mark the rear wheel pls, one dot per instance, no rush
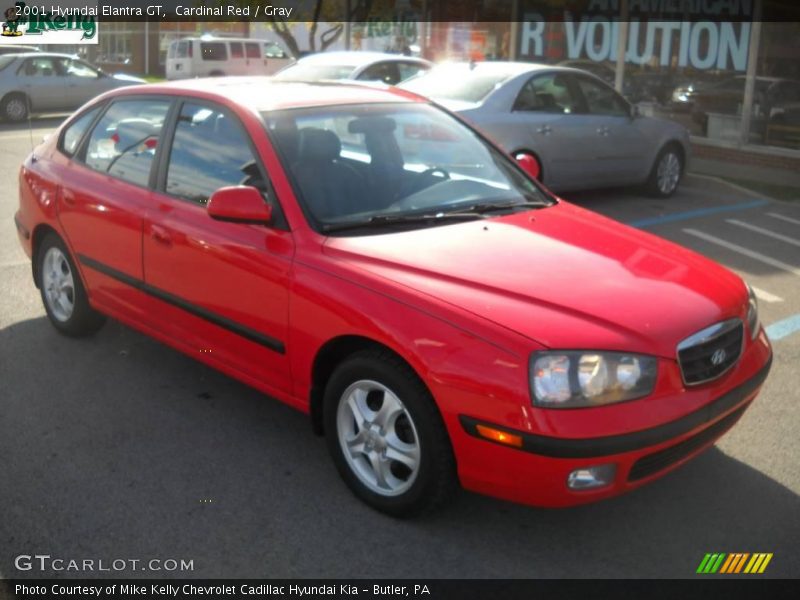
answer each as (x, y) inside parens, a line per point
(386, 436)
(62, 292)
(15, 108)
(666, 173)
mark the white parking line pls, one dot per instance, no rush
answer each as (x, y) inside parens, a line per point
(783, 218)
(766, 296)
(745, 251)
(762, 231)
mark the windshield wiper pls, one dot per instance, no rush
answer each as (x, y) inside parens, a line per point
(383, 220)
(487, 207)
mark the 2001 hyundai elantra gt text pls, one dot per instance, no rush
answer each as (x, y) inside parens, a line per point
(365, 257)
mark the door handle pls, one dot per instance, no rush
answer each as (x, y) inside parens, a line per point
(160, 235)
(544, 129)
(68, 197)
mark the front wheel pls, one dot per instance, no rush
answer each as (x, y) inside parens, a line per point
(666, 173)
(386, 436)
(62, 292)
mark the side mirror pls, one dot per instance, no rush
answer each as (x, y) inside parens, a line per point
(239, 204)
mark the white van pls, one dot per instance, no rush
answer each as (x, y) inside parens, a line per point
(215, 56)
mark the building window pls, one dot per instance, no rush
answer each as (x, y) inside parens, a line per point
(116, 43)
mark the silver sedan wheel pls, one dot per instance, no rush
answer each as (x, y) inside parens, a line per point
(668, 172)
(59, 285)
(16, 109)
(378, 438)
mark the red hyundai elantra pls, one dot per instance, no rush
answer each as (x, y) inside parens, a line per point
(367, 258)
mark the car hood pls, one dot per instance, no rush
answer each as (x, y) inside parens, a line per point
(127, 78)
(562, 276)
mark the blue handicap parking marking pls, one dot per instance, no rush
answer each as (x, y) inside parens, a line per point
(783, 328)
(693, 214)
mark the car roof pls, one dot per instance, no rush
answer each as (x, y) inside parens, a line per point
(41, 55)
(500, 67)
(263, 93)
(354, 58)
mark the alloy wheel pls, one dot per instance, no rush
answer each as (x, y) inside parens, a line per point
(58, 284)
(378, 438)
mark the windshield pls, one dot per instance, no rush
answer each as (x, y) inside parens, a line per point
(6, 60)
(311, 72)
(358, 163)
(455, 84)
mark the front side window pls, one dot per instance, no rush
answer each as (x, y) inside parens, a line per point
(123, 143)
(549, 93)
(601, 99)
(74, 132)
(273, 51)
(210, 151)
(351, 164)
(77, 68)
(213, 51)
(408, 70)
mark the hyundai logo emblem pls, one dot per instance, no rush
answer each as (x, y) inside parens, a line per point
(718, 357)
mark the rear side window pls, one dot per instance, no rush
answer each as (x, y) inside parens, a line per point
(548, 93)
(123, 143)
(213, 51)
(252, 50)
(74, 132)
(210, 151)
(386, 72)
(236, 50)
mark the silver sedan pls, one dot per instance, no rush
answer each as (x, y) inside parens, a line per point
(363, 66)
(46, 82)
(566, 126)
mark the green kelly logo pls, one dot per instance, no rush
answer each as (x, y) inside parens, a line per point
(37, 21)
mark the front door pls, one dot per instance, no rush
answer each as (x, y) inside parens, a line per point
(42, 79)
(222, 287)
(620, 146)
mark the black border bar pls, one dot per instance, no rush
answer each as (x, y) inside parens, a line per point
(616, 444)
(218, 320)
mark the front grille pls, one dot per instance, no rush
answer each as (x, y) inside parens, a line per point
(653, 463)
(709, 353)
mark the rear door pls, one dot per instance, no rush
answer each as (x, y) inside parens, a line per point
(221, 287)
(83, 81)
(103, 197)
(42, 79)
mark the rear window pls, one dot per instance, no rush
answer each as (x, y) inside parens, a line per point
(456, 84)
(123, 143)
(213, 51)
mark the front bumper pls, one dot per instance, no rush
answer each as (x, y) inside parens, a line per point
(537, 472)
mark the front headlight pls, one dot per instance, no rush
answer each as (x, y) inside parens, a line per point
(575, 379)
(753, 323)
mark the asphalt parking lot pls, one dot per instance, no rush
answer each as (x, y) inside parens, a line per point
(117, 447)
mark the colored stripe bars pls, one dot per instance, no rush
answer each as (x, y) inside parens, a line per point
(741, 562)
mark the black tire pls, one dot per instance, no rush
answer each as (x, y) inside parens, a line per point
(82, 319)
(15, 107)
(656, 186)
(433, 482)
